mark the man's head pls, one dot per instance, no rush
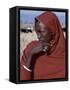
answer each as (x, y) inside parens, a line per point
(43, 33)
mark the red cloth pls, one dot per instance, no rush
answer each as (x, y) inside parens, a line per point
(47, 66)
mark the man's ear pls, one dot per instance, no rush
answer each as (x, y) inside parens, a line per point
(52, 33)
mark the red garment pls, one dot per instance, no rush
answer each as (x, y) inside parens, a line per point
(46, 66)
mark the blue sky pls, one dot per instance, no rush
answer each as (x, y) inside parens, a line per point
(28, 16)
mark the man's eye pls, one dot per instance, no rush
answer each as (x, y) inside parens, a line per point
(39, 31)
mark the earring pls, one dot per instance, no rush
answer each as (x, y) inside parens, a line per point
(51, 43)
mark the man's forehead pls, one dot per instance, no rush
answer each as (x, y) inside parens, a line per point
(41, 24)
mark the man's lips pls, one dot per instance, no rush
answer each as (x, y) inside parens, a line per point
(42, 40)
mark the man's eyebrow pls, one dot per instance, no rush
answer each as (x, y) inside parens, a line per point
(40, 31)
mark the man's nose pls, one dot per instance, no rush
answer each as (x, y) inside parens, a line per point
(39, 36)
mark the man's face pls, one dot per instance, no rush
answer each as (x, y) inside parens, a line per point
(43, 33)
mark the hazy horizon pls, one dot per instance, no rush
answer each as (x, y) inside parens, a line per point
(28, 16)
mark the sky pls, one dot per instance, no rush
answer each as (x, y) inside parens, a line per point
(28, 16)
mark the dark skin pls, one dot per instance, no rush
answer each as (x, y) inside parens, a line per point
(44, 36)
(43, 33)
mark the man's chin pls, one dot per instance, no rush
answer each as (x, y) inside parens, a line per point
(42, 41)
